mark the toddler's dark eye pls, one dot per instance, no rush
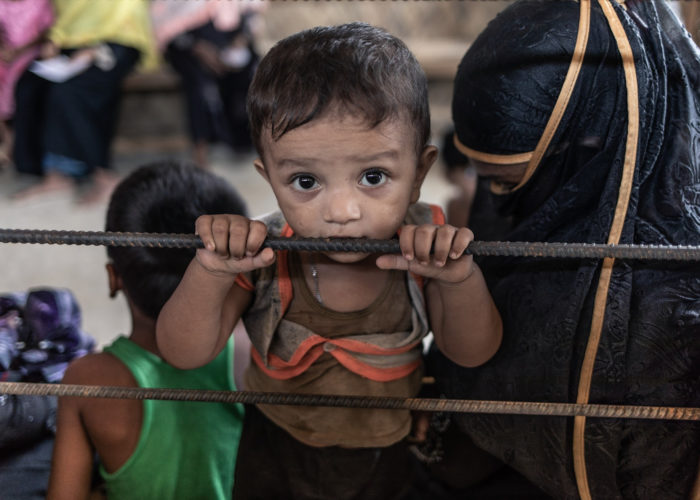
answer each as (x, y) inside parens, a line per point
(373, 178)
(304, 182)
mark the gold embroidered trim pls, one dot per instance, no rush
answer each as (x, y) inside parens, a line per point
(567, 89)
(618, 222)
(534, 157)
(491, 158)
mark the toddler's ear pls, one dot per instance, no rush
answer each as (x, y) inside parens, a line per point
(260, 167)
(425, 161)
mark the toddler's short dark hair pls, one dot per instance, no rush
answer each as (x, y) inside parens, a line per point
(361, 68)
(162, 197)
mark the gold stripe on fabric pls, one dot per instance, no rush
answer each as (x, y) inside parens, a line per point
(491, 158)
(564, 95)
(534, 157)
(601, 297)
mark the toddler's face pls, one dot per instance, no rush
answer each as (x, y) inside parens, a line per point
(335, 177)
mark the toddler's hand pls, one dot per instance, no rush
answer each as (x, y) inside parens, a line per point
(232, 244)
(446, 263)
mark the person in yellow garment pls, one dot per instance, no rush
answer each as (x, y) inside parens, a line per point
(152, 449)
(211, 45)
(67, 101)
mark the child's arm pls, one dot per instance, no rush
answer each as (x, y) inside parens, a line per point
(72, 461)
(465, 322)
(197, 320)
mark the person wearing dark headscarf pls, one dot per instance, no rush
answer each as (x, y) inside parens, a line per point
(586, 115)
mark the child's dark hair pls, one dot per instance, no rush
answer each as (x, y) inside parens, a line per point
(451, 156)
(361, 68)
(162, 197)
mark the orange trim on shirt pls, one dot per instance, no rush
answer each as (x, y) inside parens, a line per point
(243, 281)
(312, 348)
(301, 351)
(286, 373)
(367, 348)
(438, 214)
(372, 372)
(287, 231)
(350, 345)
(343, 357)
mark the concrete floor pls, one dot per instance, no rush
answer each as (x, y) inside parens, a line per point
(81, 268)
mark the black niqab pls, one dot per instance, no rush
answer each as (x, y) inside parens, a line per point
(649, 353)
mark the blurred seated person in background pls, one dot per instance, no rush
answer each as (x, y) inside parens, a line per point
(67, 107)
(23, 28)
(210, 44)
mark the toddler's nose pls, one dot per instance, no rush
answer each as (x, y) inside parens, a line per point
(341, 208)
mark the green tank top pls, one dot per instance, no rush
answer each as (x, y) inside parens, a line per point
(187, 450)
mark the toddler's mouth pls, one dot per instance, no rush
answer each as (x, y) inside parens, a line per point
(341, 237)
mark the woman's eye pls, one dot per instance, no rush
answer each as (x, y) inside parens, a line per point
(304, 182)
(373, 178)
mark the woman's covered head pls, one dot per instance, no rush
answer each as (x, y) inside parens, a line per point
(579, 90)
(508, 81)
(532, 92)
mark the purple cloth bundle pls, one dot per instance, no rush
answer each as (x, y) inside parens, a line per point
(10, 321)
(40, 332)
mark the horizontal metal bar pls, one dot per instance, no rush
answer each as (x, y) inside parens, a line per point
(483, 248)
(384, 403)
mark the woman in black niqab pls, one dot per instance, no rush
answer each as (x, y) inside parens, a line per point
(602, 102)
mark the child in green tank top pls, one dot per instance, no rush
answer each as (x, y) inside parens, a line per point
(152, 449)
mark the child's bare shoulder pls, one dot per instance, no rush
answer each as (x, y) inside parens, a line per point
(98, 369)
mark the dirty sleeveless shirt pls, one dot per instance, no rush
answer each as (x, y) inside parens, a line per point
(300, 346)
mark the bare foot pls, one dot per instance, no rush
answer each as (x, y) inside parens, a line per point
(6, 138)
(103, 183)
(4, 161)
(51, 183)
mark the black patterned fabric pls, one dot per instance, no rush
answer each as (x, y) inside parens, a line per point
(649, 354)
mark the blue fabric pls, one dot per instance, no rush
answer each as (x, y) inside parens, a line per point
(67, 166)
